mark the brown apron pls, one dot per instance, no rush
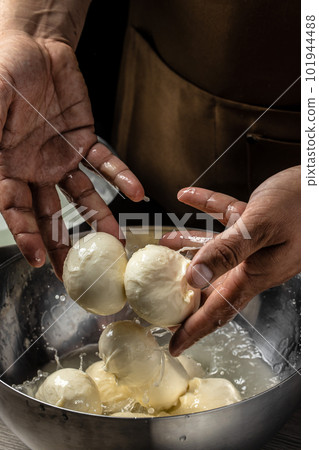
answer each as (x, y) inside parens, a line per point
(196, 81)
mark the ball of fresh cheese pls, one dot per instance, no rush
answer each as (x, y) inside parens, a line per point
(114, 397)
(131, 353)
(156, 286)
(163, 393)
(205, 394)
(71, 389)
(93, 273)
(192, 367)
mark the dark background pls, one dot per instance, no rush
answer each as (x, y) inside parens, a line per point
(99, 55)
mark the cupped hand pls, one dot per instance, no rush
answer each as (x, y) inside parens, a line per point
(46, 130)
(259, 249)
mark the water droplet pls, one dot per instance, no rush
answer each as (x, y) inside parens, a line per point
(62, 298)
(56, 357)
(81, 356)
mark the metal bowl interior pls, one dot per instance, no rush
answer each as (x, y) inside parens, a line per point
(34, 319)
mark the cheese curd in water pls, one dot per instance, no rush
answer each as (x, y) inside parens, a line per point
(133, 356)
(156, 286)
(164, 393)
(114, 397)
(93, 273)
(71, 389)
(131, 353)
(206, 393)
(192, 367)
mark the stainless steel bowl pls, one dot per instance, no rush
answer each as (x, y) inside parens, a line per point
(33, 318)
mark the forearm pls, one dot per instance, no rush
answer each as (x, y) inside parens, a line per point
(62, 20)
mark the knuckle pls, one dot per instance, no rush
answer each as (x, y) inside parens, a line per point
(208, 201)
(101, 215)
(225, 316)
(84, 194)
(231, 207)
(226, 256)
(209, 312)
(120, 174)
(219, 317)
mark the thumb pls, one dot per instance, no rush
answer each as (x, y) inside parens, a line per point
(223, 253)
(224, 302)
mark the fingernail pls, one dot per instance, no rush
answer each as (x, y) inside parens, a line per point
(182, 192)
(39, 257)
(201, 275)
(175, 350)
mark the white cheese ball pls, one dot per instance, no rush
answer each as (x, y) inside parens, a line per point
(192, 367)
(165, 392)
(71, 389)
(114, 397)
(93, 273)
(205, 394)
(131, 353)
(156, 286)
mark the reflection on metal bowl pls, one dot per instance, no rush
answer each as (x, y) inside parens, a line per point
(33, 318)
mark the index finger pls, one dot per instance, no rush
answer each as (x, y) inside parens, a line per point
(212, 202)
(188, 238)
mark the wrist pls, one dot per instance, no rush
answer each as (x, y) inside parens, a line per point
(63, 20)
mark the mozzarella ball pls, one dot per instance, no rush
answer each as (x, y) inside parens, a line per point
(93, 273)
(192, 367)
(71, 389)
(156, 286)
(131, 353)
(205, 394)
(165, 392)
(114, 397)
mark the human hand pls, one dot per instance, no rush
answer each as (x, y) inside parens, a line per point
(46, 129)
(236, 269)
